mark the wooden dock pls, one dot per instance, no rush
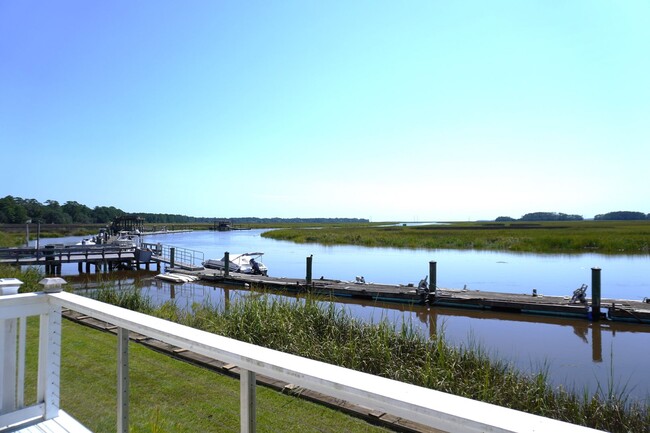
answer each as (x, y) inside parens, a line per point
(612, 309)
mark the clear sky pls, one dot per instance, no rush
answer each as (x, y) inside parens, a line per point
(388, 110)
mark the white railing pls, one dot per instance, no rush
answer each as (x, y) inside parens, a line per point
(425, 406)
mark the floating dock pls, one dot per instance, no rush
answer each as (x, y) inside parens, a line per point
(612, 309)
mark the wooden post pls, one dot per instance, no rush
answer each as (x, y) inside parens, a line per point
(172, 253)
(226, 264)
(309, 263)
(595, 294)
(433, 283)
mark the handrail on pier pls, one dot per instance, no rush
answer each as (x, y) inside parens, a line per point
(421, 405)
(176, 256)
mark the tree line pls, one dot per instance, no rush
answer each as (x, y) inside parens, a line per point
(16, 210)
(558, 216)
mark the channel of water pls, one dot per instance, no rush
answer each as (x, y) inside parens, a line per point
(576, 354)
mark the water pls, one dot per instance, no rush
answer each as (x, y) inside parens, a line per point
(576, 353)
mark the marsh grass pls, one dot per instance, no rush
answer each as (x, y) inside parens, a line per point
(609, 237)
(321, 330)
(30, 277)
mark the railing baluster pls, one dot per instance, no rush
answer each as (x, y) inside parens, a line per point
(8, 365)
(247, 406)
(22, 338)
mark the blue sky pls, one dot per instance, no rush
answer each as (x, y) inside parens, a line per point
(409, 110)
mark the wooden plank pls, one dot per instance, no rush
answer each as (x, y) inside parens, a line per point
(63, 423)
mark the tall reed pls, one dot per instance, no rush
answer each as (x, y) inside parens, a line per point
(323, 331)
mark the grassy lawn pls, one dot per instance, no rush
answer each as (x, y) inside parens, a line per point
(168, 395)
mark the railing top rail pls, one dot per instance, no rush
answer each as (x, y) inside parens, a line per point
(422, 405)
(23, 305)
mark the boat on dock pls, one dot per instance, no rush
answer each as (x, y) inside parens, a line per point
(245, 263)
(177, 278)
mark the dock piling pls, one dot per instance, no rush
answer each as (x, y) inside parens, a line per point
(309, 263)
(226, 264)
(595, 293)
(433, 283)
(172, 253)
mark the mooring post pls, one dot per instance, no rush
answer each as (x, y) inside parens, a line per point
(308, 276)
(433, 283)
(172, 253)
(226, 264)
(595, 293)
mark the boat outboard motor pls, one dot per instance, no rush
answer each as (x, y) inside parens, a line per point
(256, 267)
(423, 286)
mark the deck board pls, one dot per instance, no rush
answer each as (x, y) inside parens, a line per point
(64, 423)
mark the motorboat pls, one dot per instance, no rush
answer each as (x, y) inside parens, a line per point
(245, 263)
(124, 239)
(177, 278)
(88, 241)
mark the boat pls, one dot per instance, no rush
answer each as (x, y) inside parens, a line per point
(124, 239)
(245, 263)
(87, 241)
(177, 278)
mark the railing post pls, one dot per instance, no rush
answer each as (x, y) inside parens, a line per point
(8, 367)
(247, 407)
(49, 362)
(122, 380)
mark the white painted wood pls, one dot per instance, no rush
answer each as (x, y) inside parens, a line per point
(422, 405)
(22, 341)
(63, 423)
(247, 404)
(49, 355)
(28, 304)
(122, 380)
(21, 415)
(45, 416)
(8, 366)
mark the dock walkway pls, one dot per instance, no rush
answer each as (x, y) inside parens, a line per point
(614, 309)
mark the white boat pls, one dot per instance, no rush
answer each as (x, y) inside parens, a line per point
(177, 278)
(87, 241)
(124, 239)
(246, 263)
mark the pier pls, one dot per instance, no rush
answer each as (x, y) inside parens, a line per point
(107, 257)
(593, 308)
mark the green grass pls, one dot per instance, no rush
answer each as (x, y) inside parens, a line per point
(608, 237)
(168, 395)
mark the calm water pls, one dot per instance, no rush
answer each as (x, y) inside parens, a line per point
(576, 353)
